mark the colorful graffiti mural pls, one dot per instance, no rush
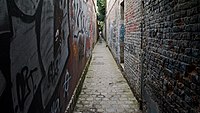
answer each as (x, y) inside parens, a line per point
(84, 26)
(36, 62)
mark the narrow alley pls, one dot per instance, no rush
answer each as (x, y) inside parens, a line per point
(51, 59)
(105, 90)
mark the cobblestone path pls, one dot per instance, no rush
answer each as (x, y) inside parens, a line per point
(104, 89)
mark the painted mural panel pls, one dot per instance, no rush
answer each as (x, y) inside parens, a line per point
(41, 63)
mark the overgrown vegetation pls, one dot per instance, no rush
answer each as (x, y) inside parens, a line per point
(101, 4)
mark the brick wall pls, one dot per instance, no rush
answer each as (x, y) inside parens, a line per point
(171, 56)
(44, 46)
(132, 54)
(161, 53)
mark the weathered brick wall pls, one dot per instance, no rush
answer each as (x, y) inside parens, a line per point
(44, 46)
(132, 51)
(171, 56)
(162, 43)
(162, 49)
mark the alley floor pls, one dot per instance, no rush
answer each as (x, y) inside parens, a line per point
(104, 89)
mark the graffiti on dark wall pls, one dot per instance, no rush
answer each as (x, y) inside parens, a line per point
(58, 37)
(38, 51)
(43, 52)
(55, 107)
(66, 84)
(25, 86)
(58, 19)
(50, 63)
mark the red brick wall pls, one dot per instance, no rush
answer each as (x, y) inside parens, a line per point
(132, 64)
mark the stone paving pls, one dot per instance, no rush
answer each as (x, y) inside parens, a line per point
(104, 89)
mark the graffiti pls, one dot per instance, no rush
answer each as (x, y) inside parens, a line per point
(3, 83)
(55, 108)
(52, 73)
(122, 32)
(50, 81)
(66, 84)
(38, 37)
(25, 86)
(84, 27)
(25, 53)
(58, 37)
(60, 50)
(80, 18)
